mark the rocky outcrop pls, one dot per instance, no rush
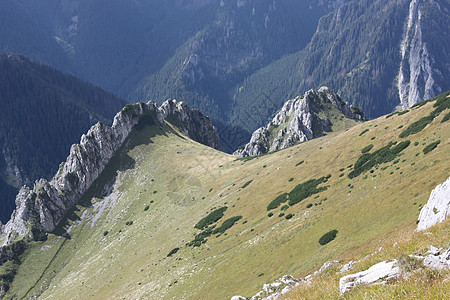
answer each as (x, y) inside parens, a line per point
(299, 120)
(423, 67)
(383, 271)
(437, 208)
(274, 290)
(191, 122)
(386, 271)
(39, 210)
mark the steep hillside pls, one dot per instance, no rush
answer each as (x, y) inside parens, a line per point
(301, 119)
(377, 55)
(171, 218)
(43, 112)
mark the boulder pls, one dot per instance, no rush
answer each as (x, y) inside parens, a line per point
(437, 208)
(384, 271)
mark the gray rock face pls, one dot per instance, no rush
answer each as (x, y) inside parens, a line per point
(384, 271)
(41, 209)
(437, 208)
(297, 121)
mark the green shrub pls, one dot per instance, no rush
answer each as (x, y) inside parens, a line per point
(309, 205)
(289, 216)
(277, 201)
(246, 184)
(228, 223)
(281, 214)
(364, 131)
(105, 233)
(173, 251)
(299, 163)
(211, 218)
(129, 223)
(146, 208)
(446, 118)
(369, 160)
(291, 179)
(367, 148)
(431, 147)
(270, 214)
(416, 127)
(306, 189)
(284, 207)
(200, 238)
(328, 237)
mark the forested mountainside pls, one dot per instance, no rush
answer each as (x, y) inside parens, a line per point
(378, 55)
(43, 112)
(239, 60)
(196, 51)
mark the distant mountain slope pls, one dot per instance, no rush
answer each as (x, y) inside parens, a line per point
(43, 112)
(378, 55)
(196, 51)
(301, 119)
(169, 218)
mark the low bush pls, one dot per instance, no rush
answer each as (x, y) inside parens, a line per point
(284, 207)
(289, 216)
(228, 223)
(277, 201)
(211, 218)
(146, 208)
(246, 184)
(299, 163)
(446, 118)
(328, 237)
(173, 251)
(306, 189)
(431, 147)
(367, 148)
(364, 131)
(369, 160)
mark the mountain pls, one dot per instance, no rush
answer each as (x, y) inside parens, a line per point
(43, 113)
(379, 55)
(303, 118)
(40, 210)
(171, 218)
(197, 51)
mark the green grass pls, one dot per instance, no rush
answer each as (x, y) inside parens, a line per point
(132, 260)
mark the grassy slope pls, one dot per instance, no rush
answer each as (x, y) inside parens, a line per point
(131, 259)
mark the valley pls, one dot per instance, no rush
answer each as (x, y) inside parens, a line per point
(160, 184)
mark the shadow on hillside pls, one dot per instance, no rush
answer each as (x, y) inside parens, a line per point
(103, 186)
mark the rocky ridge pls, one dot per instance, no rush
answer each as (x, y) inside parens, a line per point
(39, 210)
(299, 120)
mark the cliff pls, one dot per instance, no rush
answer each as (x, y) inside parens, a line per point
(300, 119)
(39, 210)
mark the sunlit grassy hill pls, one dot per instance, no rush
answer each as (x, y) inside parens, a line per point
(161, 184)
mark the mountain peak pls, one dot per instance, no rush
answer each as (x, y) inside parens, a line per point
(301, 119)
(39, 210)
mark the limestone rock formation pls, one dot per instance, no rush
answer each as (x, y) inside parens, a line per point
(437, 208)
(299, 120)
(39, 210)
(384, 271)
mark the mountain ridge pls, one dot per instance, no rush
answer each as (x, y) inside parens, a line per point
(301, 119)
(39, 210)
